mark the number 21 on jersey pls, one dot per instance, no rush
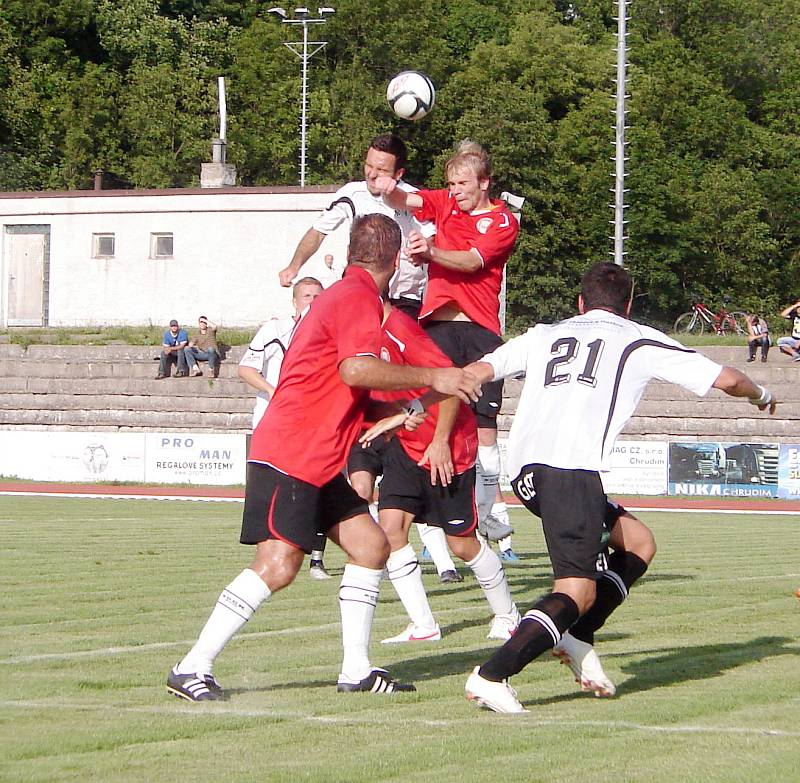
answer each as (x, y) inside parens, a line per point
(566, 350)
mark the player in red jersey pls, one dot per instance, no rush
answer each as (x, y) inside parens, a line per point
(475, 235)
(295, 484)
(429, 475)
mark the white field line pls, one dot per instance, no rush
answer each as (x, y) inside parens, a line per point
(641, 509)
(200, 499)
(103, 652)
(215, 711)
(186, 643)
(122, 497)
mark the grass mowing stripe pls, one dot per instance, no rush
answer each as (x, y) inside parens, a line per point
(213, 711)
(703, 653)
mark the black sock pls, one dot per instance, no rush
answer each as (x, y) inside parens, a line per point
(624, 568)
(540, 629)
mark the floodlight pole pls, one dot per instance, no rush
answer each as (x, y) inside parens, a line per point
(305, 50)
(619, 206)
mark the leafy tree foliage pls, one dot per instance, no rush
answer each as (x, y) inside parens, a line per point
(129, 87)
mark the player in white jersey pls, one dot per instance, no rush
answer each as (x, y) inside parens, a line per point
(386, 157)
(584, 378)
(260, 367)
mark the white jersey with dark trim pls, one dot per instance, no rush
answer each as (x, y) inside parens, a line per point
(354, 200)
(265, 354)
(584, 378)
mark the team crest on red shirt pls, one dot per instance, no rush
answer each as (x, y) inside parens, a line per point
(483, 224)
(385, 355)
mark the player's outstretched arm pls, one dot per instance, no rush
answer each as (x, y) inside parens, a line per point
(306, 248)
(483, 371)
(736, 384)
(396, 198)
(369, 372)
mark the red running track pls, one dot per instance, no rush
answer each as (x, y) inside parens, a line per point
(237, 493)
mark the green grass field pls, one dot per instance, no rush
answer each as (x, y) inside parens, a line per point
(101, 597)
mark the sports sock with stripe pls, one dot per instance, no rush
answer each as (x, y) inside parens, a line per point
(539, 630)
(358, 594)
(488, 570)
(434, 539)
(624, 568)
(235, 606)
(406, 578)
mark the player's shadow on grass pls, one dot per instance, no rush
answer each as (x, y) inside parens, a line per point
(688, 664)
(433, 667)
(701, 662)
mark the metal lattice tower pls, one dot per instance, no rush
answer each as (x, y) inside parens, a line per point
(305, 50)
(620, 158)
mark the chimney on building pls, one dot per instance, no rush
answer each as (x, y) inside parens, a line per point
(218, 173)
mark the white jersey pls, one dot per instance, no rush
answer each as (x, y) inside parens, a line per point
(584, 378)
(265, 354)
(353, 200)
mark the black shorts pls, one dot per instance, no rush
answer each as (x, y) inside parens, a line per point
(369, 459)
(613, 510)
(573, 508)
(294, 511)
(407, 487)
(464, 342)
(407, 305)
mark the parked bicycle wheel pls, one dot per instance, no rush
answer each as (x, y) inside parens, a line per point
(740, 321)
(689, 323)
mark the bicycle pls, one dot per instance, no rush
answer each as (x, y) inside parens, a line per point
(700, 318)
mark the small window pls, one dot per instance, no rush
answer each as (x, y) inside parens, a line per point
(160, 245)
(102, 245)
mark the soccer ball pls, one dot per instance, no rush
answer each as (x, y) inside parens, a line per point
(411, 95)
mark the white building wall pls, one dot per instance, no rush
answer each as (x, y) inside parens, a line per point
(229, 246)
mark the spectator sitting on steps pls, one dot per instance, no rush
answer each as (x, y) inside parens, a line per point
(757, 335)
(175, 340)
(790, 345)
(203, 348)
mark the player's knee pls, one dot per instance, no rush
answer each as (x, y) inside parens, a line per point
(642, 543)
(464, 547)
(363, 484)
(278, 573)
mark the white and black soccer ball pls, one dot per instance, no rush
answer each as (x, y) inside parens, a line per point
(411, 95)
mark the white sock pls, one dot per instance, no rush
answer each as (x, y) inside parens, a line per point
(316, 555)
(483, 499)
(434, 539)
(504, 544)
(358, 594)
(491, 577)
(500, 510)
(235, 606)
(406, 578)
(487, 477)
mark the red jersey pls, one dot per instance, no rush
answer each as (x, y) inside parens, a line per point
(493, 234)
(405, 342)
(314, 417)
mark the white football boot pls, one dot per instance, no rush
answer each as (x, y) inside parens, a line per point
(585, 665)
(504, 625)
(415, 633)
(497, 696)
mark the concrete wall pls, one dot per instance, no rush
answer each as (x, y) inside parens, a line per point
(229, 245)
